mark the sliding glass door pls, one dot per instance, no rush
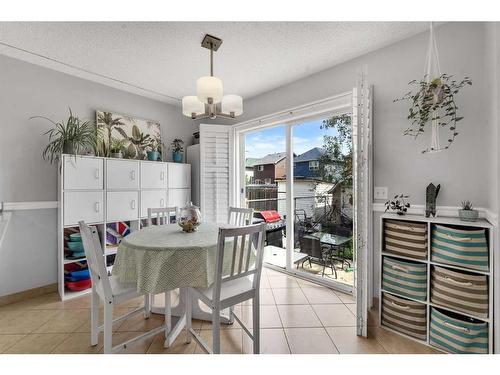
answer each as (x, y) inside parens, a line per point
(298, 179)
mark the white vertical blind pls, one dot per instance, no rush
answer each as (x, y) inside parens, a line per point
(216, 147)
(362, 129)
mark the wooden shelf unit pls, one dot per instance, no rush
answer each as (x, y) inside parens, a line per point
(480, 223)
(86, 182)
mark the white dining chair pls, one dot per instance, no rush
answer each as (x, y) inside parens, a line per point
(237, 279)
(111, 292)
(162, 215)
(240, 216)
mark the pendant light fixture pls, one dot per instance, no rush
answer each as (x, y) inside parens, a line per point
(210, 101)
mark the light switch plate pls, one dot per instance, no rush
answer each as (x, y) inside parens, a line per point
(380, 192)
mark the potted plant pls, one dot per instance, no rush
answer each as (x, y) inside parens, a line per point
(71, 137)
(177, 146)
(398, 204)
(433, 102)
(116, 148)
(154, 149)
(467, 213)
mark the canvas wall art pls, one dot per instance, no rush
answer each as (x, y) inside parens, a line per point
(126, 136)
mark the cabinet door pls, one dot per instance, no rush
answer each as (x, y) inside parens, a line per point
(153, 175)
(152, 199)
(121, 174)
(83, 205)
(83, 173)
(122, 205)
(179, 176)
(178, 197)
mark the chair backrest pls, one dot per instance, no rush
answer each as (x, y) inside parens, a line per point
(240, 216)
(95, 259)
(162, 215)
(311, 246)
(240, 252)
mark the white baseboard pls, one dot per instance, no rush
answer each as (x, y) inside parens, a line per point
(446, 211)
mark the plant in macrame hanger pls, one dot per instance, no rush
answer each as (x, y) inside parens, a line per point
(433, 101)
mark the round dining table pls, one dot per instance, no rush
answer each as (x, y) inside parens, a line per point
(162, 258)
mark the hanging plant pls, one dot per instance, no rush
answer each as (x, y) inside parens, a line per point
(434, 103)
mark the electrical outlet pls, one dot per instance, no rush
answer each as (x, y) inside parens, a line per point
(380, 192)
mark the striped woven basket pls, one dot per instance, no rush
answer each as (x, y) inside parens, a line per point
(466, 248)
(405, 278)
(459, 290)
(406, 238)
(405, 316)
(458, 334)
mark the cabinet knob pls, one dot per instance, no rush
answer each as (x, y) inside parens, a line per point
(162, 202)
(162, 175)
(97, 207)
(97, 174)
(132, 175)
(132, 204)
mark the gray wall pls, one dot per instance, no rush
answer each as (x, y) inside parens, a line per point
(28, 256)
(467, 170)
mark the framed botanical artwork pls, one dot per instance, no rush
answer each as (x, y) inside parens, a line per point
(127, 136)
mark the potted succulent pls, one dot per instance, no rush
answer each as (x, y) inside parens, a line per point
(177, 146)
(154, 149)
(467, 213)
(71, 137)
(116, 148)
(398, 204)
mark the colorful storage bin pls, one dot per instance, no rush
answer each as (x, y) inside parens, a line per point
(405, 238)
(455, 333)
(405, 316)
(405, 278)
(466, 248)
(459, 290)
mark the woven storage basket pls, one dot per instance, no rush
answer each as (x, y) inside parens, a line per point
(406, 238)
(404, 316)
(458, 334)
(406, 278)
(466, 248)
(460, 290)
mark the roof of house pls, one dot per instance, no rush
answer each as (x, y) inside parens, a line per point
(250, 162)
(271, 158)
(313, 154)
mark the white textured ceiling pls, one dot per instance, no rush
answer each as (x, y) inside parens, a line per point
(162, 60)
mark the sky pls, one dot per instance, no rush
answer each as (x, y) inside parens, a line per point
(305, 136)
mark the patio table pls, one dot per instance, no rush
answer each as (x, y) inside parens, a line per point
(334, 241)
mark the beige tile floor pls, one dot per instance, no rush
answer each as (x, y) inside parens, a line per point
(296, 317)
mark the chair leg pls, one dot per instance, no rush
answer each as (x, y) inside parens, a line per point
(147, 306)
(189, 309)
(216, 330)
(108, 328)
(168, 313)
(256, 323)
(94, 318)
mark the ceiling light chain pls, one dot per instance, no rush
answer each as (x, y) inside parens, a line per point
(209, 101)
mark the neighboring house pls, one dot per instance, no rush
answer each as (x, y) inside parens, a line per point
(249, 174)
(269, 168)
(307, 165)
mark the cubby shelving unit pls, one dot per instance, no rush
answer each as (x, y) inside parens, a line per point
(102, 190)
(455, 222)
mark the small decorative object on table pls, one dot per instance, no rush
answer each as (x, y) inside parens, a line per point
(189, 218)
(467, 213)
(177, 150)
(117, 147)
(398, 204)
(431, 194)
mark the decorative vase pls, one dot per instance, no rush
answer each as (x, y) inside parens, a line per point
(153, 155)
(177, 156)
(468, 215)
(189, 218)
(68, 148)
(117, 155)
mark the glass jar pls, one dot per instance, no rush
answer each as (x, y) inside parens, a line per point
(189, 218)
